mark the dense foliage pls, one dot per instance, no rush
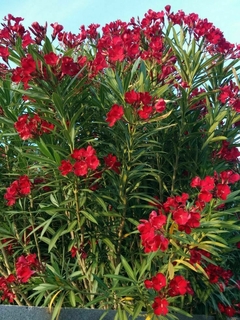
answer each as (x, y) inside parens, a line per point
(120, 166)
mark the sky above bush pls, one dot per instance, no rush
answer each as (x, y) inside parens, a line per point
(224, 14)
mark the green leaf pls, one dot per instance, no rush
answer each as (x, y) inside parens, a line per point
(58, 102)
(56, 237)
(118, 277)
(128, 269)
(44, 149)
(89, 216)
(72, 298)
(108, 242)
(58, 307)
(54, 200)
(45, 287)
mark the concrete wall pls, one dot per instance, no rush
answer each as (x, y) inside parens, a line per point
(37, 313)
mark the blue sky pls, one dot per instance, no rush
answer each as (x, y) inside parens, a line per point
(225, 14)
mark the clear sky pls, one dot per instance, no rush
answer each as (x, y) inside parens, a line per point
(225, 14)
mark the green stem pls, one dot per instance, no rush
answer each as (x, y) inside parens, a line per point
(123, 187)
(5, 257)
(34, 233)
(175, 168)
(75, 191)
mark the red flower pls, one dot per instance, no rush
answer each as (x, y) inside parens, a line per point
(229, 177)
(22, 127)
(145, 112)
(112, 163)
(160, 106)
(78, 154)
(151, 232)
(11, 278)
(228, 153)
(24, 265)
(221, 307)
(80, 168)
(74, 251)
(195, 182)
(178, 286)
(56, 29)
(69, 67)
(24, 185)
(157, 282)
(85, 159)
(8, 295)
(26, 39)
(160, 306)
(222, 191)
(4, 53)
(229, 311)
(181, 216)
(114, 114)
(205, 196)
(24, 273)
(132, 96)
(18, 188)
(194, 219)
(116, 52)
(195, 256)
(28, 64)
(92, 162)
(145, 98)
(236, 105)
(65, 167)
(46, 126)
(32, 126)
(216, 272)
(207, 184)
(51, 58)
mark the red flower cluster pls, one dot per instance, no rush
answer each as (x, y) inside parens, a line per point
(160, 306)
(85, 160)
(229, 94)
(228, 153)
(4, 53)
(177, 286)
(144, 104)
(5, 288)
(152, 232)
(157, 282)
(57, 28)
(229, 311)
(69, 67)
(26, 72)
(18, 188)
(112, 163)
(215, 187)
(185, 218)
(120, 41)
(26, 266)
(197, 254)
(32, 126)
(217, 274)
(51, 58)
(214, 38)
(115, 114)
(65, 65)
